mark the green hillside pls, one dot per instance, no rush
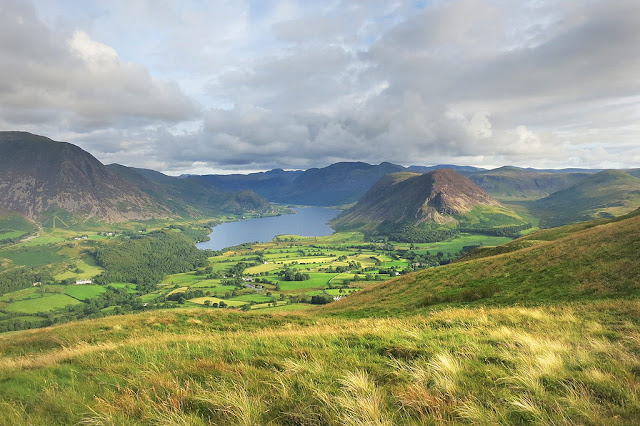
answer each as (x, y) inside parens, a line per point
(13, 226)
(582, 262)
(514, 184)
(606, 194)
(191, 197)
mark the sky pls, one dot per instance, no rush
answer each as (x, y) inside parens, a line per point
(197, 86)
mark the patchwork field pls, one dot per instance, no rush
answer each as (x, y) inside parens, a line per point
(255, 276)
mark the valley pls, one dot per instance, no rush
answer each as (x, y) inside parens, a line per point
(249, 276)
(445, 295)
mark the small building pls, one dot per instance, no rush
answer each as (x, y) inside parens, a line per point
(83, 282)
(37, 284)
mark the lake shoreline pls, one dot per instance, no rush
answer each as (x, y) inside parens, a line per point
(306, 221)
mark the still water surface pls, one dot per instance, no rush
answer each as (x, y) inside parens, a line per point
(308, 222)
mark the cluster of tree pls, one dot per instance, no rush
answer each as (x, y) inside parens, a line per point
(12, 240)
(421, 261)
(120, 298)
(289, 274)
(195, 233)
(337, 269)
(354, 265)
(148, 260)
(321, 299)
(238, 269)
(266, 281)
(14, 321)
(19, 278)
(185, 295)
(220, 304)
(503, 231)
(409, 233)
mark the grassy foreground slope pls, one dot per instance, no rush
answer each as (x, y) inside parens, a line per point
(581, 262)
(551, 365)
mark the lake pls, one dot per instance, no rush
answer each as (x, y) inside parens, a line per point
(307, 222)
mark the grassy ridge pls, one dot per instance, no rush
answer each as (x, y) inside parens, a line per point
(554, 365)
(593, 261)
(602, 195)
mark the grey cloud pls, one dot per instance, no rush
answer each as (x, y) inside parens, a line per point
(55, 76)
(480, 82)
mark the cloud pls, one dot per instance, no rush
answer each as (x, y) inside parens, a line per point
(69, 79)
(301, 84)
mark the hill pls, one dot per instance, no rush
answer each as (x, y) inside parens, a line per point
(191, 196)
(517, 184)
(39, 177)
(605, 194)
(440, 197)
(594, 260)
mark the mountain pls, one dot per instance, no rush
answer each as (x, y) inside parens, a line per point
(51, 181)
(605, 194)
(634, 172)
(580, 262)
(516, 184)
(463, 170)
(267, 184)
(567, 170)
(39, 177)
(190, 196)
(442, 196)
(337, 184)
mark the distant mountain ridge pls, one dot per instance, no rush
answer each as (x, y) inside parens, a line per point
(337, 184)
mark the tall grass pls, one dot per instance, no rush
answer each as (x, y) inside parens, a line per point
(577, 364)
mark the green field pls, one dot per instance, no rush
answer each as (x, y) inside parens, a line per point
(201, 300)
(41, 304)
(258, 298)
(11, 234)
(87, 266)
(85, 291)
(36, 256)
